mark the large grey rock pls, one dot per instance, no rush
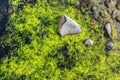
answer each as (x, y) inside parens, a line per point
(68, 26)
(108, 29)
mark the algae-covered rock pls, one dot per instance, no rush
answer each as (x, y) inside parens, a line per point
(117, 29)
(118, 4)
(68, 26)
(114, 32)
(110, 3)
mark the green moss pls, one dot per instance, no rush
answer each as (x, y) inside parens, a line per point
(41, 53)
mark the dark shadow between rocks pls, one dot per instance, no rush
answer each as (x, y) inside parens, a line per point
(4, 16)
(3, 21)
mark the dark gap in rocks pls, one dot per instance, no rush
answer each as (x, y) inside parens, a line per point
(31, 1)
(90, 77)
(3, 16)
(4, 5)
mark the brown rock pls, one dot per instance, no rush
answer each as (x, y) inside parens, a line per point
(11, 9)
(93, 21)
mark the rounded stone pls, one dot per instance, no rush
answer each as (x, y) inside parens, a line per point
(110, 45)
(94, 8)
(89, 42)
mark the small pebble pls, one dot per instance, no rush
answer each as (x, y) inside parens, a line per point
(89, 42)
(94, 8)
(110, 45)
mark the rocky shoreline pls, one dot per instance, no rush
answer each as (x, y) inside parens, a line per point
(106, 12)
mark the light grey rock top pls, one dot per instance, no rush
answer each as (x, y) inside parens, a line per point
(68, 26)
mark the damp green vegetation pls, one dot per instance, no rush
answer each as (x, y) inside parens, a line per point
(36, 51)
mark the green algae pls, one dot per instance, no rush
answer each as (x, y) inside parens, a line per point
(38, 52)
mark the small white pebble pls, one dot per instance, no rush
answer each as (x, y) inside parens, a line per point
(89, 42)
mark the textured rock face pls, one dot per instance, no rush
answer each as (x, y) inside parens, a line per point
(68, 26)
